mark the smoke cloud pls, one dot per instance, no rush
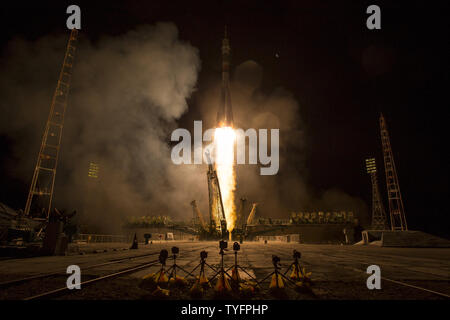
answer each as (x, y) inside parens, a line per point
(128, 93)
(289, 190)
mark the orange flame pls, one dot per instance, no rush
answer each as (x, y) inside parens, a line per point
(224, 140)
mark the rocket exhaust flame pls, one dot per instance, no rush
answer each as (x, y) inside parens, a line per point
(224, 141)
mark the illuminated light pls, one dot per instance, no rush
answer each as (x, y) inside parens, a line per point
(224, 141)
(93, 170)
(371, 166)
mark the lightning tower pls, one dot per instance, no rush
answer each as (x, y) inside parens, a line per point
(396, 208)
(40, 196)
(378, 214)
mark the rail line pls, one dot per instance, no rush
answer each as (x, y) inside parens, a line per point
(305, 262)
(52, 293)
(417, 287)
(128, 270)
(391, 280)
(55, 273)
(65, 290)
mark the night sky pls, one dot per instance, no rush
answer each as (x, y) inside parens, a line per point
(342, 75)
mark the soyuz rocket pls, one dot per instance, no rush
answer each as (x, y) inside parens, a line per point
(225, 113)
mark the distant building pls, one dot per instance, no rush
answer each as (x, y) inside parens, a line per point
(322, 217)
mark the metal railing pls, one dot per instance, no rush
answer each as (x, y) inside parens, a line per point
(94, 238)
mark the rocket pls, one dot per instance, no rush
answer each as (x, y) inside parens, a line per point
(225, 113)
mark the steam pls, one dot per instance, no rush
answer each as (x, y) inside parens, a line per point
(127, 94)
(289, 190)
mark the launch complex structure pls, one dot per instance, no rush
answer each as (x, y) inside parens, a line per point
(40, 196)
(396, 208)
(38, 206)
(218, 225)
(217, 217)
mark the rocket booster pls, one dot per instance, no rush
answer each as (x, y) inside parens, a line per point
(225, 113)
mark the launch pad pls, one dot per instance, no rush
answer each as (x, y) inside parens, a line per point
(338, 272)
(309, 234)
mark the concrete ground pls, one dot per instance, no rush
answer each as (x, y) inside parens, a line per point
(338, 272)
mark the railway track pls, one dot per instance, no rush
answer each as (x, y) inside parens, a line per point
(52, 293)
(405, 284)
(9, 283)
(64, 290)
(400, 283)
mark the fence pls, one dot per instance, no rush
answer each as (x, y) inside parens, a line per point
(282, 238)
(93, 238)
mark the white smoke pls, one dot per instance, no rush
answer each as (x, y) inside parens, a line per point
(127, 93)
